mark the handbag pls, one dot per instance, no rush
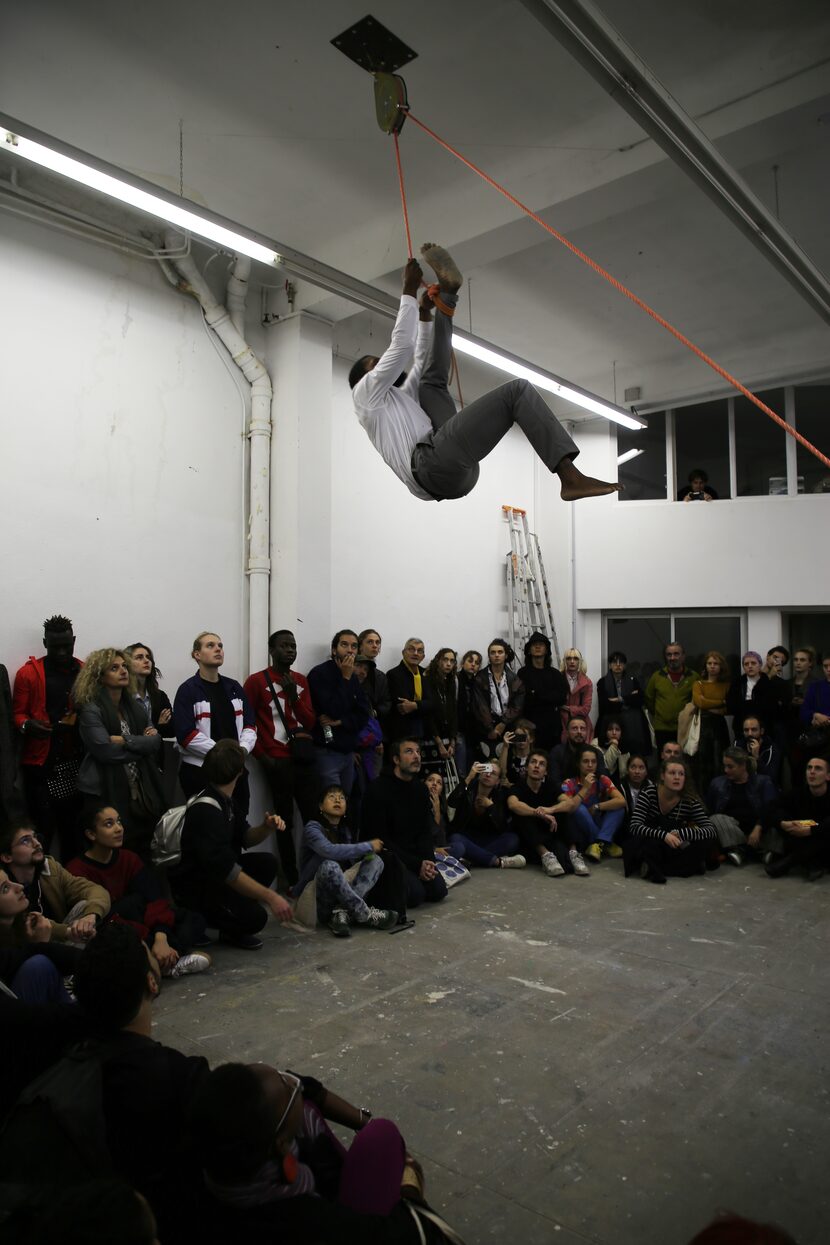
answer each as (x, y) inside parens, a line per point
(688, 728)
(61, 781)
(301, 749)
(451, 870)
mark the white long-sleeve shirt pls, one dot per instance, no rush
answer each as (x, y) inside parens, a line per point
(392, 418)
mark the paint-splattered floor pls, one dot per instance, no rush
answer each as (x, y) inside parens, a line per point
(572, 1059)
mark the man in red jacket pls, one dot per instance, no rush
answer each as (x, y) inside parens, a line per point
(45, 717)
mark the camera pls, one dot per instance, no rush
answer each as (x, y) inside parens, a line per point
(520, 737)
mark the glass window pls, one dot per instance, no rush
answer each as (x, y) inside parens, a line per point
(760, 447)
(809, 630)
(812, 419)
(698, 633)
(643, 476)
(642, 640)
(701, 436)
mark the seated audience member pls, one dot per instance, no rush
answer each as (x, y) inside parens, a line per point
(595, 805)
(214, 877)
(209, 707)
(120, 766)
(370, 741)
(97, 1211)
(342, 712)
(136, 897)
(469, 727)
(480, 829)
(753, 694)
(670, 751)
(709, 694)
(563, 761)
(73, 907)
(580, 692)
(328, 849)
(439, 819)
(670, 834)
(738, 801)
(442, 723)
(545, 691)
(396, 810)
(498, 696)
(515, 750)
(636, 781)
(620, 696)
(760, 748)
(278, 723)
(30, 965)
(410, 693)
(551, 840)
(155, 702)
(610, 744)
(815, 712)
(803, 817)
(698, 487)
(668, 691)
(273, 1169)
(368, 647)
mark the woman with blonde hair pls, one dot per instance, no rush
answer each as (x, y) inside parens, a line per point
(580, 692)
(121, 746)
(709, 697)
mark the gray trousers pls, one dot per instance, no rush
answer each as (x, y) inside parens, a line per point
(334, 891)
(446, 465)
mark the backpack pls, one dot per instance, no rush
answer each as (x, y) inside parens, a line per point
(166, 847)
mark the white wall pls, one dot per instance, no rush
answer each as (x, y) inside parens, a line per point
(121, 496)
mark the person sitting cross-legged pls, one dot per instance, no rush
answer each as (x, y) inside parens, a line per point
(803, 818)
(545, 831)
(136, 896)
(760, 748)
(738, 800)
(73, 907)
(595, 804)
(670, 834)
(327, 850)
(479, 831)
(32, 967)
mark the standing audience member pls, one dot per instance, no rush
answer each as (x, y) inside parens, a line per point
(410, 693)
(670, 834)
(545, 691)
(738, 800)
(499, 695)
(369, 756)
(283, 712)
(595, 805)
(328, 849)
(515, 751)
(72, 908)
(620, 695)
(368, 647)
(753, 693)
(136, 897)
(580, 692)
(815, 713)
(698, 488)
(546, 832)
(709, 695)
(147, 691)
(214, 877)
(668, 691)
(209, 707)
(120, 766)
(342, 710)
(469, 727)
(803, 817)
(480, 829)
(397, 811)
(44, 714)
(761, 750)
(442, 725)
(804, 673)
(774, 667)
(564, 758)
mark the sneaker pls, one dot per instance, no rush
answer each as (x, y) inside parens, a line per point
(245, 942)
(778, 867)
(593, 851)
(734, 858)
(512, 862)
(381, 918)
(579, 866)
(769, 857)
(551, 865)
(339, 923)
(196, 962)
(612, 850)
(815, 875)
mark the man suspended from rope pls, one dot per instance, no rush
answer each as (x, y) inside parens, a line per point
(410, 417)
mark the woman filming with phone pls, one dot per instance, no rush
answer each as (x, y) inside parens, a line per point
(514, 752)
(479, 828)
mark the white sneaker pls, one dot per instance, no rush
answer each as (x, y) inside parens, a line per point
(579, 866)
(512, 862)
(551, 865)
(196, 962)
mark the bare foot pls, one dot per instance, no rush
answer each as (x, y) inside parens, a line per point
(575, 485)
(444, 267)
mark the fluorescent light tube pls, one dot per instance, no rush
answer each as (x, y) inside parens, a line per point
(628, 455)
(548, 382)
(115, 188)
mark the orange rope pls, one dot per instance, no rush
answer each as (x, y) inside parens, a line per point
(403, 195)
(618, 285)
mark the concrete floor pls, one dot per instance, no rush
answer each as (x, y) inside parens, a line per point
(572, 1059)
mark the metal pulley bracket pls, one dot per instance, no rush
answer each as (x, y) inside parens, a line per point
(391, 102)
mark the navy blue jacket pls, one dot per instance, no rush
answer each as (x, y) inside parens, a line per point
(344, 700)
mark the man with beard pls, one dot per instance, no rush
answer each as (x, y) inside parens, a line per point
(73, 906)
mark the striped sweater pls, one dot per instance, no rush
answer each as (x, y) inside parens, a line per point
(688, 819)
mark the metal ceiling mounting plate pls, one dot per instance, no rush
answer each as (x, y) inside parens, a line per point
(374, 48)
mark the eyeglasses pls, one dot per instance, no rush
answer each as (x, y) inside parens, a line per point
(288, 1078)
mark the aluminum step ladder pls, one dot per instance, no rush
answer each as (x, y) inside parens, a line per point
(528, 597)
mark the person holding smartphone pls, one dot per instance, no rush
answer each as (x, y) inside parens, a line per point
(480, 831)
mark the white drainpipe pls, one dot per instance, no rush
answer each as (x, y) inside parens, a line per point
(228, 327)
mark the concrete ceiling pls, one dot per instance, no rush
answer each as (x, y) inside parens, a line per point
(279, 134)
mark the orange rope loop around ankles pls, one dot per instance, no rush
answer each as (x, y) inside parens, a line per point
(618, 285)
